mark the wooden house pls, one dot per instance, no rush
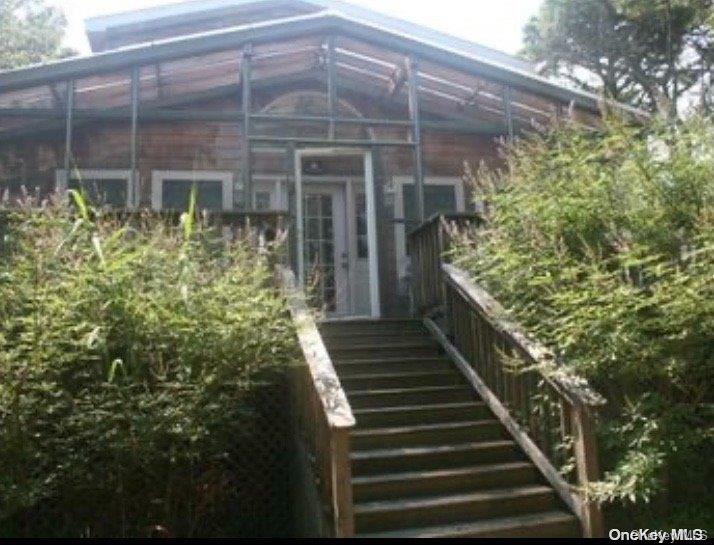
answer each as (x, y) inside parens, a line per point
(366, 118)
(356, 126)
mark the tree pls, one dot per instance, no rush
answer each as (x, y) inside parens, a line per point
(652, 54)
(30, 32)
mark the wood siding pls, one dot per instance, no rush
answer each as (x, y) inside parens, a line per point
(202, 145)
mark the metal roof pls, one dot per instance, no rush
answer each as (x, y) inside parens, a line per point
(99, 25)
(388, 36)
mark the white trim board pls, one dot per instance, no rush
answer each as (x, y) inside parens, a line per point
(61, 179)
(223, 176)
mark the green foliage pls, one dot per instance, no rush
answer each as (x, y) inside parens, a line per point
(30, 32)
(129, 357)
(648, 53)
(602, 246)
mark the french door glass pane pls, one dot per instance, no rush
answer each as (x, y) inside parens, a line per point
(361, 225)
(319, 250)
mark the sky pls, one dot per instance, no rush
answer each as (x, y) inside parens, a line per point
(494, 23)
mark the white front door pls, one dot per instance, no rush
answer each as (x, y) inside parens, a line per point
(337, 239)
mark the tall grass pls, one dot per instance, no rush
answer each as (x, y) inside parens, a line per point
(603, 247)
(129, 356)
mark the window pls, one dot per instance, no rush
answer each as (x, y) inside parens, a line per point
(262, 200)
(440, 195)
(361, 226)
(269, 193)
(437, 198)
(171, 189)
(112, 188)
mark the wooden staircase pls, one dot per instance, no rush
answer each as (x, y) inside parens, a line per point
(428, 458)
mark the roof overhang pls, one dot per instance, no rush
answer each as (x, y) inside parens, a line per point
(325, 22)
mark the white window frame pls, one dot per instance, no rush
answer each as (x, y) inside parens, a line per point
(223, 176)
(276, 185)
(62, 180)
(400, 235)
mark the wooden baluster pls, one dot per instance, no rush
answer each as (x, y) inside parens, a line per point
(472, 340)
(507, 376)
(568, 436)
(441, 245)
(585, 448)
(532, 382)
(482, 367)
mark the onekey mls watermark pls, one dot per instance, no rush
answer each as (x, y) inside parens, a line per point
(661, 536)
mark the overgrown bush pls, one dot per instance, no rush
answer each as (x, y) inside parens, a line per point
(130, 354)
(602, 246)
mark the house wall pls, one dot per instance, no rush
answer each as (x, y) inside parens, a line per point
(202, 146)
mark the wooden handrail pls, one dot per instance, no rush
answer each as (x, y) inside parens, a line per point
(324, 417)
(441, 217)
(575, 389)
(427, 245)
(547, 411)
(332, 397)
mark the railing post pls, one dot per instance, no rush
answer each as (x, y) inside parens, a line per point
(246, 158)
(442, 238)
(133, 139)
(342, 508)
(69, 118)
(412, 70)
(585, 450)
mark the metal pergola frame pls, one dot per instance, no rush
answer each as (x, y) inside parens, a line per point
(134, 113)
(289, 28)
(328, 25)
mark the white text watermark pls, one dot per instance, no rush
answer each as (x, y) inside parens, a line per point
(661, 536)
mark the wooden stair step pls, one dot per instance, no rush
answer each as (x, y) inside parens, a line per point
(367, 381)
(551, 524)
(375, 366)
(404, 396)
(386, 331)
(375, 321)
(428, 457)
(443, 481)
(380, 324)
(411, 512)
(427, 434)
(393, 342)
(415, 414)
(421, 347)
(338, 341)
(376, 461)
(375, 335)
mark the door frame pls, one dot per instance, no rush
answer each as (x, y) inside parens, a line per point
(370, 197)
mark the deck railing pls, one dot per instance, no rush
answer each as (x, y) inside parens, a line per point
(427, 245)
(323, 421)
(549, 413)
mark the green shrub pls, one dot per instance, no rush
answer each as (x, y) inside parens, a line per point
(129, 357)
(602, 246)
